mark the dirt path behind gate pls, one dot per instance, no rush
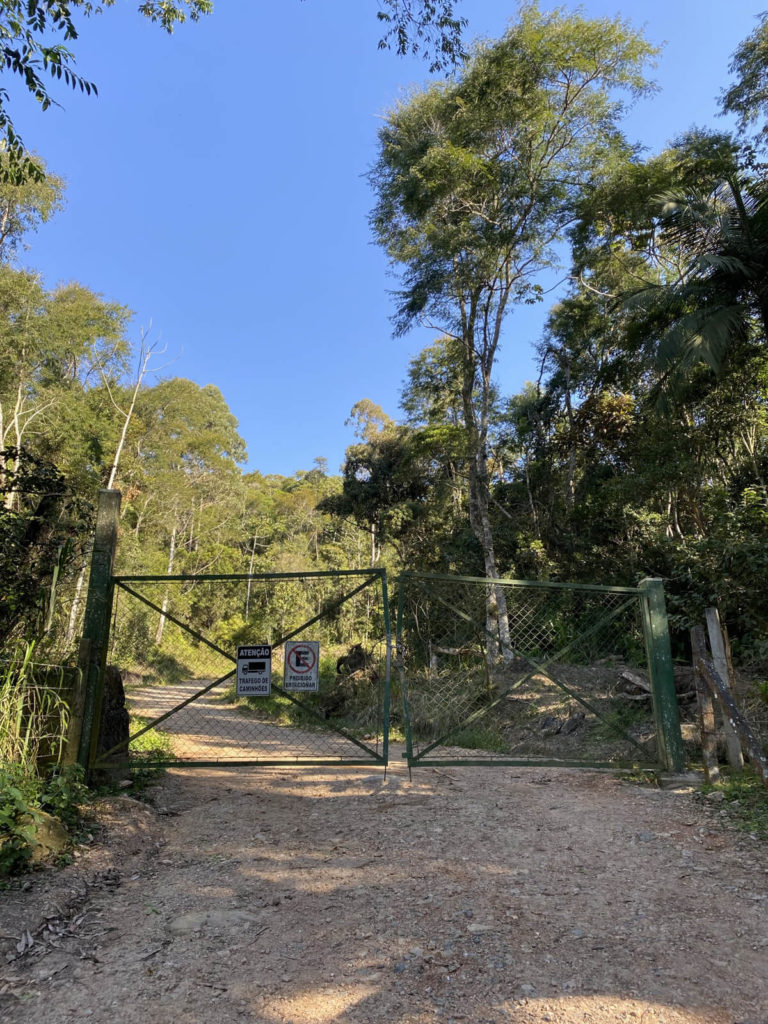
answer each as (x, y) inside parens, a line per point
(336, 896)
(213, 728)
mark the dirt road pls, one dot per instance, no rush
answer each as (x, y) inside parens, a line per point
(211, 728)
(339, 896)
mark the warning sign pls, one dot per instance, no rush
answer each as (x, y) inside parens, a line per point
(302, 666)
(254, 671)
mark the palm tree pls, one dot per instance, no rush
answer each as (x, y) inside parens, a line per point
(720, 299)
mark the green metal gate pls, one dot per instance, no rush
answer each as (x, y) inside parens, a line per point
(534, 673)
(176, 640)
(490, 671)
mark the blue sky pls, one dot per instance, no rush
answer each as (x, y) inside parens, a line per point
(216, 187)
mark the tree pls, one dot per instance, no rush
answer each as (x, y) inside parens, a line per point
(747, 98)
(181, 481)
(667, 286)
(54, 347)
(396, 487)
(477, 180)
(40, 531)
(426, 27)
(676, 250)
(721, 298)
(23, 207)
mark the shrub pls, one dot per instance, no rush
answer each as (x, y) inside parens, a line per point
(23, 795)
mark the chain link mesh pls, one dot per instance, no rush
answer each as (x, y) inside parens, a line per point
(176, 642)
(516, 671)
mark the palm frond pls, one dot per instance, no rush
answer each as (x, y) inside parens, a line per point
(723, 262)
(703, 336)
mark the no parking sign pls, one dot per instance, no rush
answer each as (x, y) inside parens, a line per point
(302, 666)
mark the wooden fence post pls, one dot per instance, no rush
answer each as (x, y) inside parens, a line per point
(724, 698)
(706, 708)
(720, 661)
(98, 607)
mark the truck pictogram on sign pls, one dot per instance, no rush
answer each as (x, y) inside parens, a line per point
(254, 671)
(302, 664)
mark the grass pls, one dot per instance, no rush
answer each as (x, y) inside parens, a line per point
(746, 802)
(149, 753)
(33, 715)
(154, 742)
(478, 737)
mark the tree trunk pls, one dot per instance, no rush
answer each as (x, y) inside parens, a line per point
(570, 484)
(497, 617)
(531, 502)
(77, 600)
(250, 581)
(375, 546)
(161, 622)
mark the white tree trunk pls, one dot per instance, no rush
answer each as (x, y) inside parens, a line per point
(161, 622)
(77, 600)
(250, 573)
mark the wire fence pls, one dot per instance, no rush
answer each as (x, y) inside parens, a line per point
(176, 641)
(523, 672)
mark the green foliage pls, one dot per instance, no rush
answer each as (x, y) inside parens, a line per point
(426, 27)
(747, 98)
(479, 737)
(721, 299)
(24, 206)
(455, 159)
(63, 794)
(17, 820)
(34, 715)
(23, 794)
(386, 483)
(746, 802)
(43, 525)
(478, 179)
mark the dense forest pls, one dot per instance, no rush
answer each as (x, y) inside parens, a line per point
(641, 449)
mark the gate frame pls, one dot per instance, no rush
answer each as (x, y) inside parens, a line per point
(94, 644)
(97, 630)
(650, 596)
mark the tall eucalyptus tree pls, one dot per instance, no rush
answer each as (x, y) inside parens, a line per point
(477, 180)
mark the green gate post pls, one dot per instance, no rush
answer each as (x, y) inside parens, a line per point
(400, 659)
(387, 682)
(656, 628)
(98, 608)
